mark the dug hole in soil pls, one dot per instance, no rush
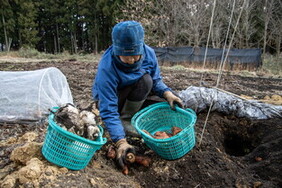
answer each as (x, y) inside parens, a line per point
(234, 152)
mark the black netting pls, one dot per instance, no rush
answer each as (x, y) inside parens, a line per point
(214, 55)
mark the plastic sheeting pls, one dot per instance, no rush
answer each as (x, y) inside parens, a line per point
(193, 54)
(200, 99)
(28, 95)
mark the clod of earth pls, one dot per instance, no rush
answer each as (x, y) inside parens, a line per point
(30, 167)
(31, 172)
(26, 152)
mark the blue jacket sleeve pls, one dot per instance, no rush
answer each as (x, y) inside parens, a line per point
(106, 89)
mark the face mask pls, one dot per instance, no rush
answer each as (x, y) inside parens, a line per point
(128, 67)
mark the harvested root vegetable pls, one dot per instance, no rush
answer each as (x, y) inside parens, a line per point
(161, 135)
(175, 130)
(80, 122)
(144, 161)
(111, 154)
(258, 159)
(130, 157)
(125, 170)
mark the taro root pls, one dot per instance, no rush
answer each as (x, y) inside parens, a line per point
(111, 154)
(142, 160)
(258, 159)
(175, 130)
(80, 122)
(161, 135)
(125, 170)
(130, 157)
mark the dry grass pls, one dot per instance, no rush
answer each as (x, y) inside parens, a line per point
(32, 55)
(272, 65)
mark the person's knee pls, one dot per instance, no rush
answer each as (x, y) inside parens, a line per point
(141, 89)
(147, 82)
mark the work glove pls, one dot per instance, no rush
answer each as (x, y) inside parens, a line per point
(172, 100)
(123, 148)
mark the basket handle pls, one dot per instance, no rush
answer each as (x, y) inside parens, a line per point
(101, 138)
(191, 111)
(103, 141)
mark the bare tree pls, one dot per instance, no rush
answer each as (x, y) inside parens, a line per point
(187, 22)
(277, 36)
(139, 11)
(268, 13)
(247, 26)
(220, 24)
(171, 23)
(275, 27)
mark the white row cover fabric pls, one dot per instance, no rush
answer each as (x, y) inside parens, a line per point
(28, 95)
(200, 99)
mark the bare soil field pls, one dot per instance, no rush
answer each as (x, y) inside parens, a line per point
(235, 152)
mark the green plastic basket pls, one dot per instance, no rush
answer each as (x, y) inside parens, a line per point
(160, 117)
(69, 150)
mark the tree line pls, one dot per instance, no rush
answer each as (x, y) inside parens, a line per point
(55, 26)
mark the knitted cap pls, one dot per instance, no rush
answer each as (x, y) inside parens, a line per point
(128, 38)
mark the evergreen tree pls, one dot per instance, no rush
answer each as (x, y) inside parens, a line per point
(25, 13)
(6, 25)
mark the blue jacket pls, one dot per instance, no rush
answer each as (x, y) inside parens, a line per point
(111, 77)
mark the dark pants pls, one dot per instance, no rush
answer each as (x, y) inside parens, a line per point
(135, 92)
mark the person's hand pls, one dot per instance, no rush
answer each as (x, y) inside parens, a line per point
(123, 148)
(172, 100)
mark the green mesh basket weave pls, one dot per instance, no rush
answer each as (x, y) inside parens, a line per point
(68, 150)
(160, 117)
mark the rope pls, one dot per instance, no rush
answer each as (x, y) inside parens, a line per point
(223, 63)
(233, 35)
(225, 43)
(206, 50)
